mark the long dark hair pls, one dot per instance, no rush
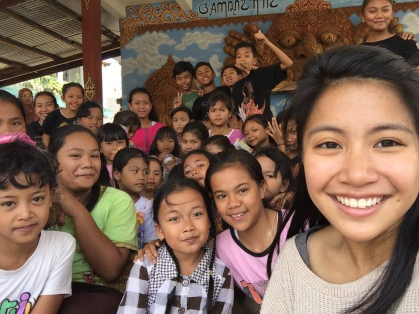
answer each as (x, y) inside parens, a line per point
(57, 141)
(179, 185)
(248, 163)
(198, 129)
(354, 63)
(162, 133)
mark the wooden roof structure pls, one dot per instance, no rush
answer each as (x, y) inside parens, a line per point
(40, 37)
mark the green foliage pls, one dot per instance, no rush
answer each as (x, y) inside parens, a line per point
(47, 82)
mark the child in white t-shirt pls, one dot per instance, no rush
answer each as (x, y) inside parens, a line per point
(35, 265)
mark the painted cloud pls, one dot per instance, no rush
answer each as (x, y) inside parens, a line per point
(411, 21)
(147, 47)
(201, 39)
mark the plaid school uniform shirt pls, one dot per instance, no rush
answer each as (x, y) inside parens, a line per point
(149, 287)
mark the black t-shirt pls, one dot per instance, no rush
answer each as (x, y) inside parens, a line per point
(257, 87)
(33, 130)
(199, 109)
(54, 120)
(397, 45)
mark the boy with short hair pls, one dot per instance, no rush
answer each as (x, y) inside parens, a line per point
(205, 76)
(230, 74)
(252, 94)
(183, 73)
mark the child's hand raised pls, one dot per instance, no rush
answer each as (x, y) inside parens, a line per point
(275, 131)
(178, 100)
(69, 204)
(150, 250)
(260, 36)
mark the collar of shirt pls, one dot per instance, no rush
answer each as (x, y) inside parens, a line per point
(166, 267)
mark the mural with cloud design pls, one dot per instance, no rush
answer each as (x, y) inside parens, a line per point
(146, 53)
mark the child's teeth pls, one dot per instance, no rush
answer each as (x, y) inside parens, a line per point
(360, 203)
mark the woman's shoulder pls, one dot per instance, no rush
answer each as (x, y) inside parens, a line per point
(110, 196)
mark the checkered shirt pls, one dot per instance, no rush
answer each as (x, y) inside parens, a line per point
(149, 286)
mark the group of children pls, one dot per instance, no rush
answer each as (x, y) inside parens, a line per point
(208, 214)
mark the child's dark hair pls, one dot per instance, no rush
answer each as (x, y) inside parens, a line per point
(231, 66)
(7, 97)
(246, 161)
(176, 172)
(414, 60)
(198, 129)
(84, 109)
(179, 185)
(281, 161)
(67, 86)
(181, 108)
(57, 141)
(245, 44)
(263, 121)
(128, 119)
(200, 64)
(222, 97)
(162, 133)
(141, 90)
(37, 166)
(221, 141)
(359, 63)
(123, 156)
(49, 94)
(183, 66)
(109, 132)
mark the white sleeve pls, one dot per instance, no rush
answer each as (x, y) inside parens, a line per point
(59, 278)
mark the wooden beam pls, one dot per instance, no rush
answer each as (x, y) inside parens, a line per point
(16, 76)
(40, 28)
(14, 63)
(14, 43)
(92, 63)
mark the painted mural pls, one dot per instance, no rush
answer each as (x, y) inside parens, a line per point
(145, 53)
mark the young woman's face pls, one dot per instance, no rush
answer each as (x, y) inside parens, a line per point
(27, 98)
(23, 213)
(361, 159)
(79, 162)
(195, 167)
(378, 15)
(274, 184)
(73, 98)
(133, 177)
(92, 122)
(180, 119)
(238, 199)
(11, 119)
(109, 149)
(219, 114)
(141, 105)
(154, 177)
(255, 134)
(184, 222)
(190, 142)
(165, 145)
(44, 104)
